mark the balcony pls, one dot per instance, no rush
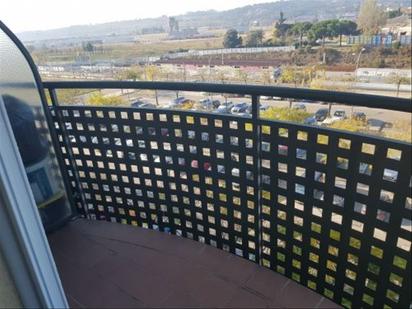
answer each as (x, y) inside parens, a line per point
(233, 183)
(220, 210)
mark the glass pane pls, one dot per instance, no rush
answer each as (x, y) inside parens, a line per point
(23, 104)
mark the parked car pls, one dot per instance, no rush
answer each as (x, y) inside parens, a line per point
(265, 97)
(310, 120)
(359, 116)
(137, 103)
(365, 168)
(147, 105)
(249, 109)
(181, 103)
(224, 108)
(377, 125)
(187, 104)
(390, 175)
(239, 108)
(175, 103)
(209, 103)
(206, 104)
(283, 150)
(216, 103)
(321, 114)
(247, 112)
(299, 106)
(263, 107)
(337, 116)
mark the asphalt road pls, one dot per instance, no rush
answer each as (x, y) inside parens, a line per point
(165, 97)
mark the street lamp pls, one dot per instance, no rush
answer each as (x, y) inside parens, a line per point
(358, 60)
(356, 70)
(357, 63)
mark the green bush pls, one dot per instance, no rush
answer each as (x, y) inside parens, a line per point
(100, 100)
(351, 125)
(285, 114)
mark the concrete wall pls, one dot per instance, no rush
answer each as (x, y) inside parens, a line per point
(8, 294)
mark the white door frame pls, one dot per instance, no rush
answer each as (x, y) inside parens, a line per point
(22, 238)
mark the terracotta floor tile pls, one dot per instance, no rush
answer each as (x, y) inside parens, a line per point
(104, 264)
(267, 282)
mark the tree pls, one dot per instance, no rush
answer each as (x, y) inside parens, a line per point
(173, 25)
(346, 27)
(309, 73)
(88, 47)
(221, 76)
(292, 76)
(281, 28)
(282, 18)
(151, 73)
(254, 38)
(266, 78)
(371, 17)
(243, 75)
(332, 28)
(232, 39)
(398, 80)
(131, 74)
(72, 96)
(99, 99)
(301, 29)
(394, 13)
(327, 28)
(204, 74)
(320, 30)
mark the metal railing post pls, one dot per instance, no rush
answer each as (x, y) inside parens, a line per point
(257, 171)
(66, 141)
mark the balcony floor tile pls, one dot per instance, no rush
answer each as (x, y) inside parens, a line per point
(104, 264)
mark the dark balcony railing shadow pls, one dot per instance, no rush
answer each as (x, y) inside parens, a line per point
(311, 203)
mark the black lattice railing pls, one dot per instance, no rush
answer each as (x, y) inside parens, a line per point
(329, 209)
(331, 219)
(186, 173)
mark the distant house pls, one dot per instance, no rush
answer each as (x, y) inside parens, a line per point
(255, 23)
(398, 26)
(407, 11)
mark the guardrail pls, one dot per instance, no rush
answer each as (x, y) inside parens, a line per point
(327, 208)
(225, 51)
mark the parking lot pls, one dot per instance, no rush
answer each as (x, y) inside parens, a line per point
(164, 99)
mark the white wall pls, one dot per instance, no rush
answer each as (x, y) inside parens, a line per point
(8, 293)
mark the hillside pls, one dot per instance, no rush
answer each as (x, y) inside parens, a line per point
(240, 18)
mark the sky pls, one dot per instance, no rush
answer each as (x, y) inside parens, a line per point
(28, 15)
